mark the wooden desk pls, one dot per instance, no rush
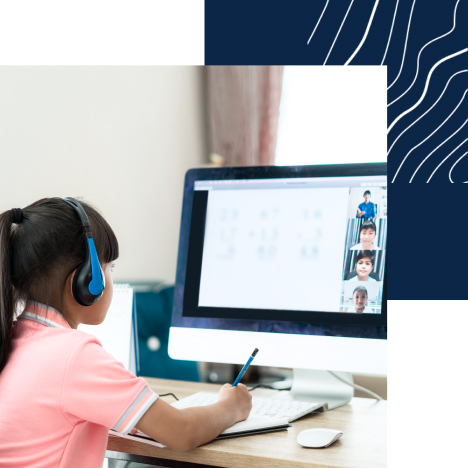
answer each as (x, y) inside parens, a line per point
(363, 444)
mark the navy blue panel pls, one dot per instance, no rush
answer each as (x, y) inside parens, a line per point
(424, 45)
(429, 256)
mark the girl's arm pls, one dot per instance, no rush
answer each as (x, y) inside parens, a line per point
(188, 428)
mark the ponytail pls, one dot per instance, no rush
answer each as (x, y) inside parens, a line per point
(7, 301)
(40, 246)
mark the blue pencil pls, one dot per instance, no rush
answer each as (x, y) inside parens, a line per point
(242, 372)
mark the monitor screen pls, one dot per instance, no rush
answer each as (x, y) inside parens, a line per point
(304, 244)
(304, 252)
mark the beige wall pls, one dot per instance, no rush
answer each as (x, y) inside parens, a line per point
(121, 137)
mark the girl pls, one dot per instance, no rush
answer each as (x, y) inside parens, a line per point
(60, 391)
(360, 299)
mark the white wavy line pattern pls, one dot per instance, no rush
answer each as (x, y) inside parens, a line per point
(391, 32)
(458, 160)
(445, 159)
(433, 151)
(430, 42)
(339, 30)
(365, 33)
(425, 139)
(318, 22)
(425, 87)
(430, 108)
(428, 79)
(404, 51)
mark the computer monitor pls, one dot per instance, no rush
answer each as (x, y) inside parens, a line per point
(290, 260)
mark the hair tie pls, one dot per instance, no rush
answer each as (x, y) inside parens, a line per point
(18, 212)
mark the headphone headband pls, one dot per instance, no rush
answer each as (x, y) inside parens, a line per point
(79, 209)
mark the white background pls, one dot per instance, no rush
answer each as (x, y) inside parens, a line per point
(274, 249)
(102, 32)
(427, 411)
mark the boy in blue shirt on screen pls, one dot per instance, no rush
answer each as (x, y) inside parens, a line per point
(367, 209)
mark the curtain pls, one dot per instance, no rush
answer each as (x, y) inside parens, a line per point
(243, 106)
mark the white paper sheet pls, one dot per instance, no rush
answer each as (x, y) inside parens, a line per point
(115, 333)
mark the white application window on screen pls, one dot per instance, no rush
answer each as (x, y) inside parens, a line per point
(282, 244)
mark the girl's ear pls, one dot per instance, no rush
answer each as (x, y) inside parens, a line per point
(69, 285)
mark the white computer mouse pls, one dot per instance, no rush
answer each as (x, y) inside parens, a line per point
(318, 438)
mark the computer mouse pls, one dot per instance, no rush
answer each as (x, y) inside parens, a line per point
(318, 438)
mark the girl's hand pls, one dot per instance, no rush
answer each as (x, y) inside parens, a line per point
(240, 398)
(180, 429)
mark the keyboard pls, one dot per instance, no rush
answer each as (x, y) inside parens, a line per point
(274, 407)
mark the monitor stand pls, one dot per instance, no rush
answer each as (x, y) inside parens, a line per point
(320, 386)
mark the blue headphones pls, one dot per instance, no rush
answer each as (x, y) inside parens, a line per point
(88, 282)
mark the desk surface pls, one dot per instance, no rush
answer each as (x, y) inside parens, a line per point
(363, 444)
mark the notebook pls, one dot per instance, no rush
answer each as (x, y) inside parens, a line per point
(118, 332)
(255, 425)
(252, 425)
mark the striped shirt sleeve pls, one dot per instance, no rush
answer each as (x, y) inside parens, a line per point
(135, 411)
(97, 388)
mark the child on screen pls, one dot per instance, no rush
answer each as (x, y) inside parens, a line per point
(359, 300)
(364, 265)
(60, 392)
(367, 233)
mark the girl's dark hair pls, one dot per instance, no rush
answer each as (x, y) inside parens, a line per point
(38, 255)
(368, 225)
(361, 288)
(365, 254)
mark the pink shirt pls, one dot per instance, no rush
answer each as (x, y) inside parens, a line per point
(60, 392)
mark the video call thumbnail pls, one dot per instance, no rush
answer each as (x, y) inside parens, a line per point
(365, 251)
(359, 297)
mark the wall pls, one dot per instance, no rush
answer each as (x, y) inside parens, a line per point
(121, 137)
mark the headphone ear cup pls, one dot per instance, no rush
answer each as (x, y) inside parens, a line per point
(80, 284)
